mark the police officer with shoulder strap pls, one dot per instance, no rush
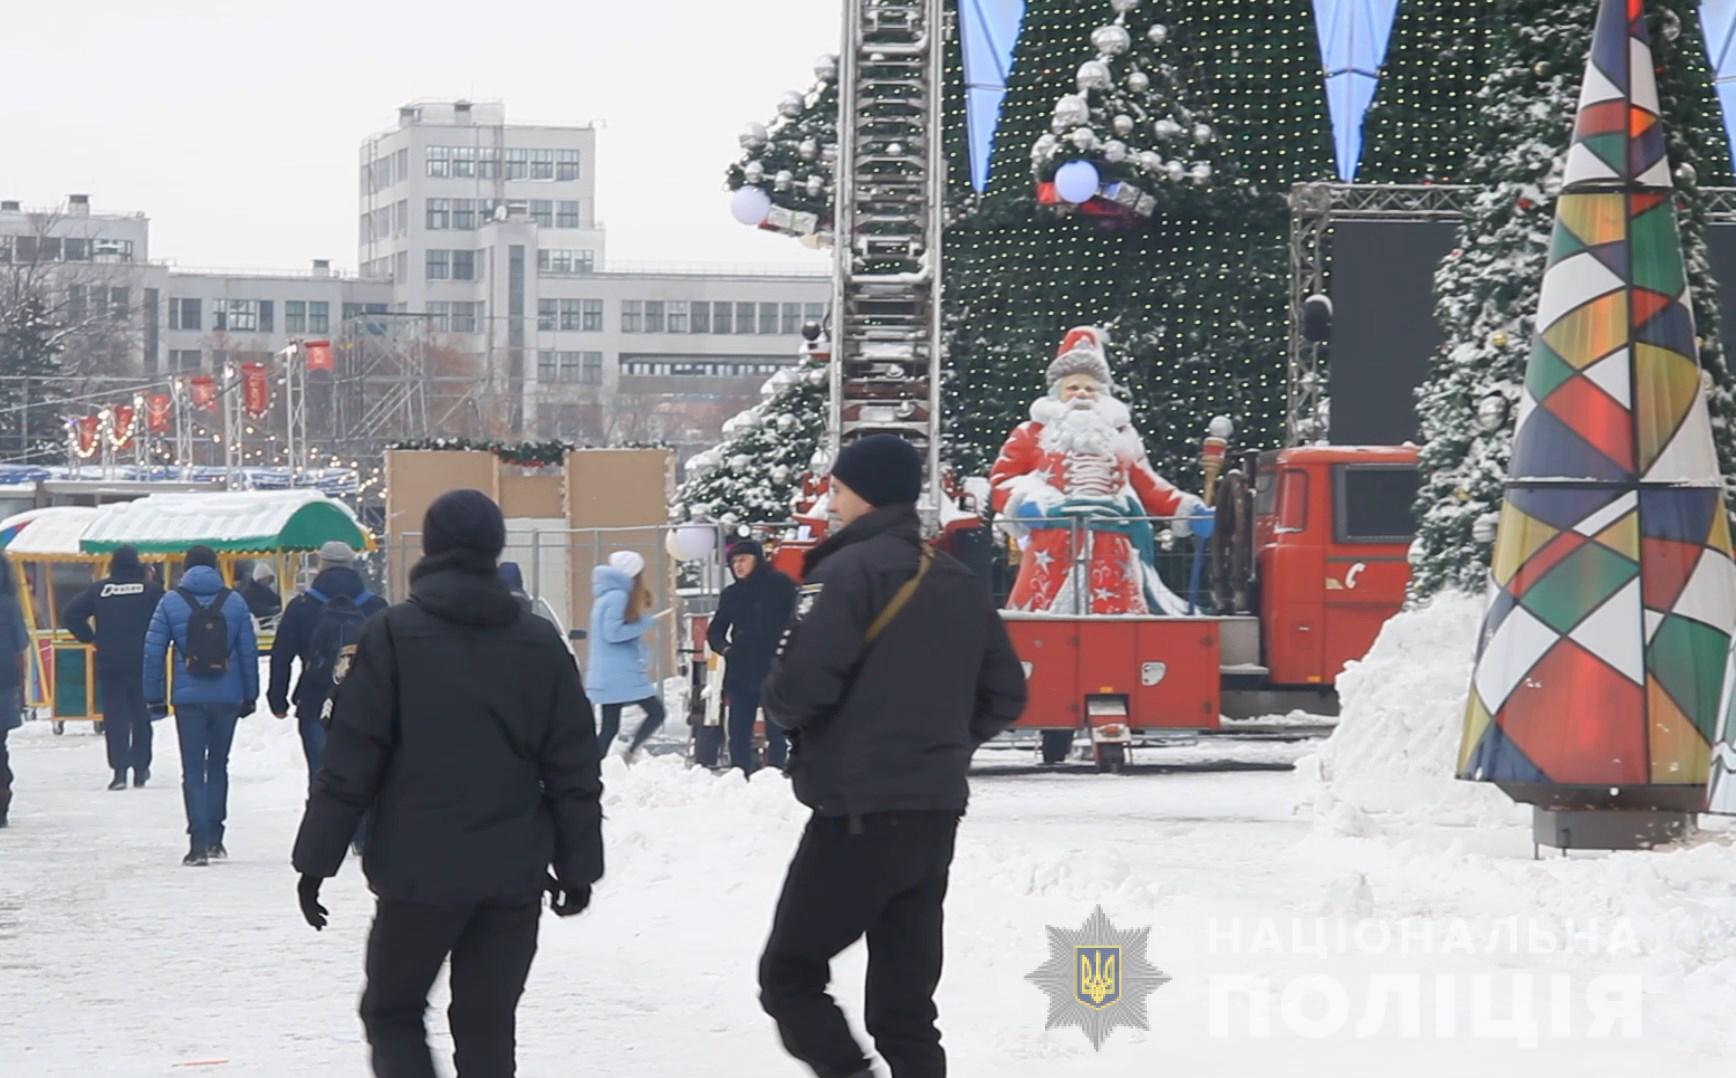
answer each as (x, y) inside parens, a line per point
(121, 604)
(895, 668)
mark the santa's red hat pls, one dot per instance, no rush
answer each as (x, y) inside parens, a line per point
(1083, 351)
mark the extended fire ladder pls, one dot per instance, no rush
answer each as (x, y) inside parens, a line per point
(891, 179)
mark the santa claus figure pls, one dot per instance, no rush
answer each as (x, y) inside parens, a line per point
(1076, 482)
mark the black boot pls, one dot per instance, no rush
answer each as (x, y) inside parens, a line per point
(141, 775)
(120, 782)
(195, 857)
(216, 852)
(5, 803)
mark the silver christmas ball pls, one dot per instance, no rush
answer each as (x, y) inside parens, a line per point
(1122, 7)
(816, 186)
(1123, 125)
(1151, 161)
(784, 180)
(1686, 174)
(1203, 133)
(1115, 151)
(1072, 110)
(1084, 139)
(808, 149)
(818, 377)
(1138, 82)
(826, 68)
(896, 149)
(754, 136)
(1043, 147)
(1201, 173)
(1094, 75)
(1158, 34)
(780, 473)
(1175, 170)
(754, 171)
(1671, 25)
(786, 422)
(791, 104)
(1166, 129)
(1111, 40)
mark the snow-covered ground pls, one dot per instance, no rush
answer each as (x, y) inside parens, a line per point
(117, 961)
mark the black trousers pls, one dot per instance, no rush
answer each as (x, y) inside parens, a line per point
(611, 723)
(491, 948)
(126, 724)
(5, 768)
(884, 877)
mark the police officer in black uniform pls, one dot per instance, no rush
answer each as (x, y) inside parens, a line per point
(895, 668)
(122, 604)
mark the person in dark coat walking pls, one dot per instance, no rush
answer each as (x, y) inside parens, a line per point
(462, 724)
(208, 701)
(122, 604)
(895, 668)
(337, 592)
(260, 593)
(751, 615)
(14, 642)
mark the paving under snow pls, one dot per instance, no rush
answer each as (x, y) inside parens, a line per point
(116, 961)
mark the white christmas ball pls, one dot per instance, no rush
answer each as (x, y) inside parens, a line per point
(1175, 170)
(1123, 125)
(787, 422)
(1202, 172)
(739, 462)
(791, 104)
(1138, 82)
(1115, 151)
(750, 205)
(755, 172)
(1072, 109)
(816, 186)
(1158, 34)
(690, 542)
(1151, 161)
(1084, 138)
(808, 149)
(1203, 133)
(784, 180)
(780, 473)
(1166, 129)
(1077, 181)
(754, 136)
(826, 68)
(1111, 40)
(1094, 75)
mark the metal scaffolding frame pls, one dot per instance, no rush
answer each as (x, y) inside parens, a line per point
(1314, 209)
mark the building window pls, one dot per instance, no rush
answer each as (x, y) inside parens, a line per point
(569, 367)
(319, 316)
(76, 250)
(439, 316)
(517, 164)
(768, 319)
(542, 164)
(439, 161)
(814, 312)
(184, 314)
(464, 213)
(184, 359)
(721, 318)
(592, 321)
(542, 211)
(294, 316)
(570, 314)
(701, 317)
(402, 259)
(566, 215)
(632, 316)
(401, 218)
(439, 265)
(439, 213)
(464, 265)
(792, 319)
(744, 318)
(265, 319)
(591, 370)
(677, 316)
(487, 163)
(464, 161)
(466, 317)
(112, 250)
(653, 316)
(236, 316)
(545, 366)
(485, 208)
(566, 165)
(403, 157)
(545, 314)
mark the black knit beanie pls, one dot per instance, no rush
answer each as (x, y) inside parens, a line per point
(124, 564)
(464, 520)
(883, 468)
(201, 555)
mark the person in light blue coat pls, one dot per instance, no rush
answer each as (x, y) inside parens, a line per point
(620, 656)
(207, 706)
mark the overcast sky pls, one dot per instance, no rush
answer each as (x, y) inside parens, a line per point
(235, 124)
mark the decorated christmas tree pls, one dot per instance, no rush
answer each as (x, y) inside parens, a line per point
(784, 179)
(30, 347)
(1487, 290)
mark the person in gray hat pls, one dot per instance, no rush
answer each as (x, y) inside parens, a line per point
(315, 629)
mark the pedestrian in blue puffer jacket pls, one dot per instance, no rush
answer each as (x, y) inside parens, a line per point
(206, 708)
(620, 658)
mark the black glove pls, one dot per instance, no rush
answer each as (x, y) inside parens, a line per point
(308, 893)
(249, 707)
(157, 711)
(566, 901)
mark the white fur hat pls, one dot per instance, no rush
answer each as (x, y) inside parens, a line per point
(1082, 351)
(627, 562)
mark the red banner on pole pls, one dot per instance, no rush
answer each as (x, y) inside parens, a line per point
(255, 390)
(123, 420)
(89, 430)
(319, 356)
(204, 389)
(158, 408)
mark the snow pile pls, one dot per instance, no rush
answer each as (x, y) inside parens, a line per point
(1393, 755)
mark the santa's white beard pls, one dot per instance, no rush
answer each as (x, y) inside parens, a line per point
(1089, 428)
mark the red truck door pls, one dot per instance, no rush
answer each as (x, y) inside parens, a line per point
(1367, 563)
(1291, 567)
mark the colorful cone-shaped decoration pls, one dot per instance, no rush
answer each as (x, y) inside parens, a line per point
(1602, 653)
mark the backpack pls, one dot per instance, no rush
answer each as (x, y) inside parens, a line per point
(334, 638)
(206, 651)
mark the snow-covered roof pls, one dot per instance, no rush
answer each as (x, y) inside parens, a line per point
(46, 532)
(235, 521)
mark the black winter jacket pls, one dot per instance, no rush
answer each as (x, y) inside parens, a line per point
(295, 636)
(890, 726)
(751, 617)
(463, 726)
(122, 606)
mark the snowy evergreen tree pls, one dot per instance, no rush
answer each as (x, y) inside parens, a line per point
(753, 475)
(31, 344)
(791, 160)
(1487, 289)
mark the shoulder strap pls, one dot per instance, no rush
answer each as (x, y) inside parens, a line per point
(902, 596)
